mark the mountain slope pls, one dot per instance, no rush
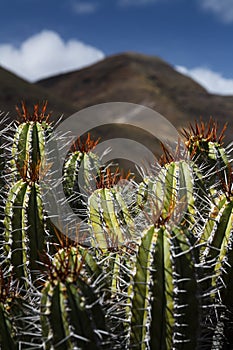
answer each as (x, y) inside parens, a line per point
(144, 80)
(14, 89)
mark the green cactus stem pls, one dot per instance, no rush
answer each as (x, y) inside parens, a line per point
(71, 315)
(111, 223)
(81, 157)
(206, 149)
(29, 141)
(26, 236)
(164, 293)
(171, 192)
(216, 255)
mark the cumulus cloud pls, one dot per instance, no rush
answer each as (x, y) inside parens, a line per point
(46, 54)
(213, 82)
(222, 8)
(83, 8)
(126, 3)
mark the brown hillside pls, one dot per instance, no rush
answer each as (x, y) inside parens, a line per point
(14, 89)
(144, 80)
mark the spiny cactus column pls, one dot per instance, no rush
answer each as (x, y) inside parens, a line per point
(4, 135)
(206, 149)
(171, 191)
(163, 293)
(28, 147)
(19, 318)
(71, 315)
(110, 220)
(8, 330)
(26, 236)
(80, 158)
(7, 335)
(216, 256)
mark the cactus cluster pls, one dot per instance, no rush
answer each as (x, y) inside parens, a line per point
(157, 272)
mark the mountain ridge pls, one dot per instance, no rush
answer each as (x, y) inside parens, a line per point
(142, 79)
(14, 90)
(125, 77)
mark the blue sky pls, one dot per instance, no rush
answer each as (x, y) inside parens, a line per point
(39, 38)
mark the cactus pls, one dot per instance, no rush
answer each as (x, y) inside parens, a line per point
(80, 157)
(169, 191)
(71, 315)
(8, 330)
(4, 130)
(163, 292)
(26, 236)
(109, 217)
(216, 254)
(28, 148)
(158, 270)
(206, 149)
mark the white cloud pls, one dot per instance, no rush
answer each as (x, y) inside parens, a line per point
(82, 8)
(213, 82)
(222, 8)
(46, 54)
(125, 3)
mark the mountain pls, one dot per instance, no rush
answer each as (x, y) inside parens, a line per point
(13, 90)
(145, 80)
(127, 77)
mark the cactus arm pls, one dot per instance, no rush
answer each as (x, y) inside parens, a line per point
(86, 327)
(162, 323)
(115, 274)
(6, 331)
(216, 256)
(226, 292)
(96, 218)
(91, 169)
(141, 292)
(186, 188)
(67, 320)
(44, 315)
(60, 326)
(71, 171)
(20, 147)
(124, 215)
(217, 231)
(36, 228)
(187, 304)
(170, 189)
(109, 218)
(16, 240)
(222, 235)
(38, 143)
(29, 144)
(25, 233)
(112, 207)
(91, 266)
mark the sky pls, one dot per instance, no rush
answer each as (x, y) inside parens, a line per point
(41, 38)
